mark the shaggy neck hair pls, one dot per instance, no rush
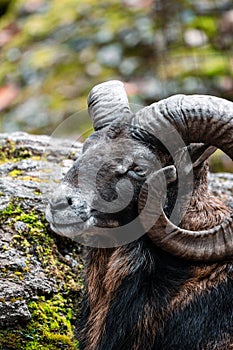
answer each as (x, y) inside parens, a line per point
(141, 282)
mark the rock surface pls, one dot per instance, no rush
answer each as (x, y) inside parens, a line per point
(40, 273)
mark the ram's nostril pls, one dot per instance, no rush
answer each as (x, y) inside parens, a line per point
(58, 204)
(69, 200)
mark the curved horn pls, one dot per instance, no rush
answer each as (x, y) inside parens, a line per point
(197, 118)
(204, 119)
(106, 102)
(214, 244)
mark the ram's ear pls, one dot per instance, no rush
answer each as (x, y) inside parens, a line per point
(200, 152)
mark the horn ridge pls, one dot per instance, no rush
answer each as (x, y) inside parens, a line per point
(197, 118)
(106, 102)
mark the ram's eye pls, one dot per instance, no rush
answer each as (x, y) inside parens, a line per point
(140, 170)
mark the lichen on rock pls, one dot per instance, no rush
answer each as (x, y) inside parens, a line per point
(40, 273)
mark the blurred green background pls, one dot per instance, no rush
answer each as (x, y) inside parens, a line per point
(53, 51)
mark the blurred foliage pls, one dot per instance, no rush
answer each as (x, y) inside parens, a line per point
(53, 52)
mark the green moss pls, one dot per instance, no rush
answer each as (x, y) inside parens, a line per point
(37, 235)
(11, 339)
(49, 329)
(37, 192)
(51, 326)
(9, 152)
(15, 173)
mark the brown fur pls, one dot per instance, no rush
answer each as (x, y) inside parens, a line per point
(205, 211)
(110, 267)
(118, 267)
(104, 278)
(202, 281)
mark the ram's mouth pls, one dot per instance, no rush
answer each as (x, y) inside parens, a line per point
(73, 230)
(78, 228)
(60, 228)
(87, 234)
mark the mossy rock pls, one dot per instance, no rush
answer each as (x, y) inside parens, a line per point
(40, 272)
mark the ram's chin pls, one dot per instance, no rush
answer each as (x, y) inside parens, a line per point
(74, 230)
(88, 233)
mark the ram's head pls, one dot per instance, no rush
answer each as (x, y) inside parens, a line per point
(138, 171)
